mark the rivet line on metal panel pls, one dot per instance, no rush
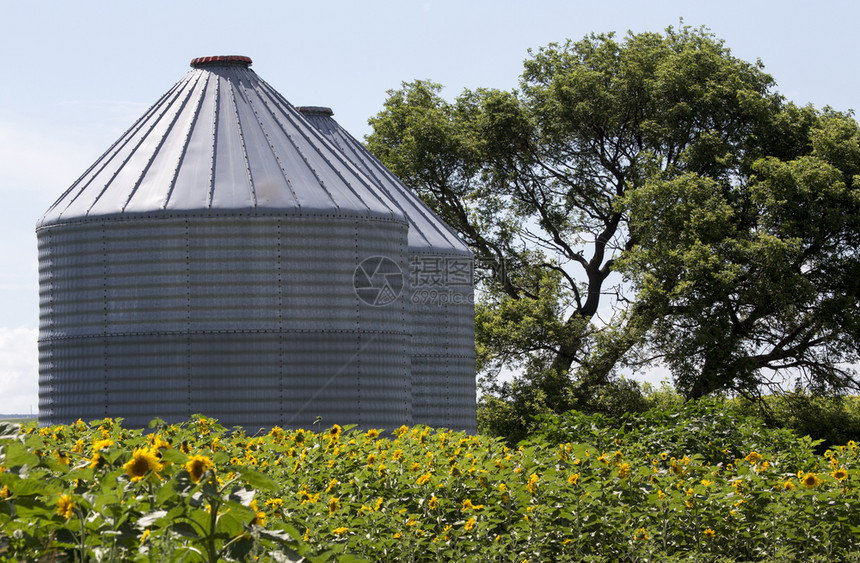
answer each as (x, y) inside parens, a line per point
(344, 162)
(274, 151)
(154, 154)
(221, 331)
(226, 214)
(281, 349)
(215, 113)
(358, 330)
(295, 145)
(181, 158)
(378, 171)
(50, 285)
(365, 171)
(457, 356)
(188, 320)
(436, 252)
(131, 153)
(253, 193)
(105, 361)
(337, 169)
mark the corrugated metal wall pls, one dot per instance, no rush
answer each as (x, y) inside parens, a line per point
(442, 312)
(253, 319)
(443, 340)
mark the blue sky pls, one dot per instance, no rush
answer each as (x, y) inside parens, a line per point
(77, 74)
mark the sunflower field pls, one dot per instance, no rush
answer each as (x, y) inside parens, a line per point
(691, 485)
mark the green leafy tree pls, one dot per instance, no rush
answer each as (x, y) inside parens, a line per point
(544, 183)
(754, 279)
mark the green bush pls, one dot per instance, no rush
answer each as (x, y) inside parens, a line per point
(696, 483)
(830, 419)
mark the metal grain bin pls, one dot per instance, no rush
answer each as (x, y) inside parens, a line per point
(442, 298)
(223, 258)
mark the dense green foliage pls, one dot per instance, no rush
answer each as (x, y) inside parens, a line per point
(692, 483)
(755, 278)
(829, 420)
(642, 200)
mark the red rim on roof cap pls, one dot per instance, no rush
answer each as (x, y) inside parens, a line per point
(316, 110)
(221, 60)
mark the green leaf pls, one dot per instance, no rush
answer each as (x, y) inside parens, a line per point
(185, 529)
(17, 454)
(165, 494)
(174, 456)
(231, 522)
(257, 479)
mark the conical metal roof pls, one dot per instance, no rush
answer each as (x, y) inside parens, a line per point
(427, 232)
(221, 141)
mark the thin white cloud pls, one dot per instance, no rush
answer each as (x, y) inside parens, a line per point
(39, 157)
(33, 160)
(19, 370)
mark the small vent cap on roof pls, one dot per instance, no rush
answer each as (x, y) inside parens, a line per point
(221, 60)
(315, 110)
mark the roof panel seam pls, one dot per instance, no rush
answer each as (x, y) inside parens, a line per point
(253, 192)
(343, 162)
(184, 150)
(345, 144)
(134, 150)
(104, 160)
(417, 202)
(272, 148)
(161, 141)
(295, 145)
(216, 99)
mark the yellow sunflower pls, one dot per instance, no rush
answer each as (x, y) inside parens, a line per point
(197, 466)
(532, 483)
(141, 462)
(810, 480)
(102, 444)
(259, 517)
(65, 506)
(96, 461)
(840, 474)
